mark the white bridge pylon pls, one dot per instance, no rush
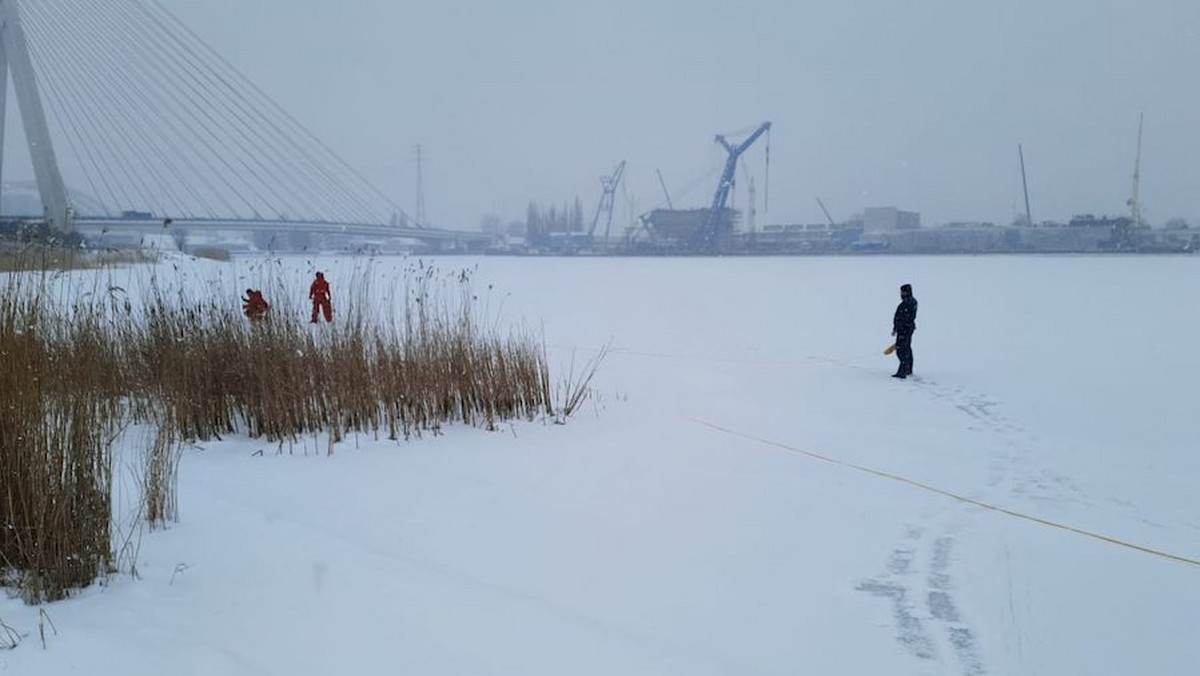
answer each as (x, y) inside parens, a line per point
(147, 122)
(14, 57)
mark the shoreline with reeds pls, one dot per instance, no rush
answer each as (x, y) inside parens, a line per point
(81, 367)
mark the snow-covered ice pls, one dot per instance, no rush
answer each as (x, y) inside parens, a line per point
(638, 540)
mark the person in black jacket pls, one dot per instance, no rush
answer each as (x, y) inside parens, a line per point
(903, 325)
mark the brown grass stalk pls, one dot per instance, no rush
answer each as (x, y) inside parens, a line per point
(196, 369)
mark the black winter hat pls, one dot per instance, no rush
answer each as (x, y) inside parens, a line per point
(906, 288)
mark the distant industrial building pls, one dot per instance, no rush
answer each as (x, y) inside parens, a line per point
(802, 238)
(681, 227)
(1107, 222)
(890, 219)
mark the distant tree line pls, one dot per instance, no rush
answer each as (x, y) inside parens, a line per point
(541, 221)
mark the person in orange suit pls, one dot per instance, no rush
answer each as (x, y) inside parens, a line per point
(321, 299)
(254, 305)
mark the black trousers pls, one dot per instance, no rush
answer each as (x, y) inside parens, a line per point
(904, 352)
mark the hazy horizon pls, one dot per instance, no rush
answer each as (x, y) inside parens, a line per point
(873, 104)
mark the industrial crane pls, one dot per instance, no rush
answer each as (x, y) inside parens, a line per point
(1135, 201)
(829, 218)
(609, 183)
(1126, 233)
(705, 238)
(666, 194)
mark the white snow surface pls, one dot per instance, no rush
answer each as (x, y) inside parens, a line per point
(635, 540)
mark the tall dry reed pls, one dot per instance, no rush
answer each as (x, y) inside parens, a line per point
(60, 406)
(80, 367)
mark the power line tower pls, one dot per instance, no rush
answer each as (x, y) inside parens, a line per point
(420, 211)
(14, 57)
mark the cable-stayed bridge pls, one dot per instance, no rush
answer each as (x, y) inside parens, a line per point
(122, 101)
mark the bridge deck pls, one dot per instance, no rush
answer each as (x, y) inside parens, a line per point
(92, 224)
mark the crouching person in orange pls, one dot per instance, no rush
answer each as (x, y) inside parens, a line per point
(321, 300)
(254, 305)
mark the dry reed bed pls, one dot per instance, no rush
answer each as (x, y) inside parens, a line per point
(60, 404)
(76, 373)
(36, 257)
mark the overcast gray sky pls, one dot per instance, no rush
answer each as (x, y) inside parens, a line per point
(919, 105)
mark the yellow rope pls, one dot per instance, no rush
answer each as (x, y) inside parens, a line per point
(955, 496)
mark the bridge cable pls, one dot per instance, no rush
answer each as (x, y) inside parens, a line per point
(182, 63)
(158, 137)
(238, 122)
(74, 127)
(90, 84)
(89, 79)
(203, 114)
(280, 110)
(306, 164)
(50, 77)
(155, 99)
(185, 59)
(153, 117)
(211, 155)
(310, 164)
(58, 64)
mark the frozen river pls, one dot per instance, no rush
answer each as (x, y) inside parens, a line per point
(677, 525)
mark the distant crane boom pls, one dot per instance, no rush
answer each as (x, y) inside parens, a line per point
(607, 198)
(827, 216)
(664, 187)
(707, 235)
(1025, 187)
(1135, 202)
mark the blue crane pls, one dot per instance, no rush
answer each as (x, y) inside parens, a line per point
(706, 237)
